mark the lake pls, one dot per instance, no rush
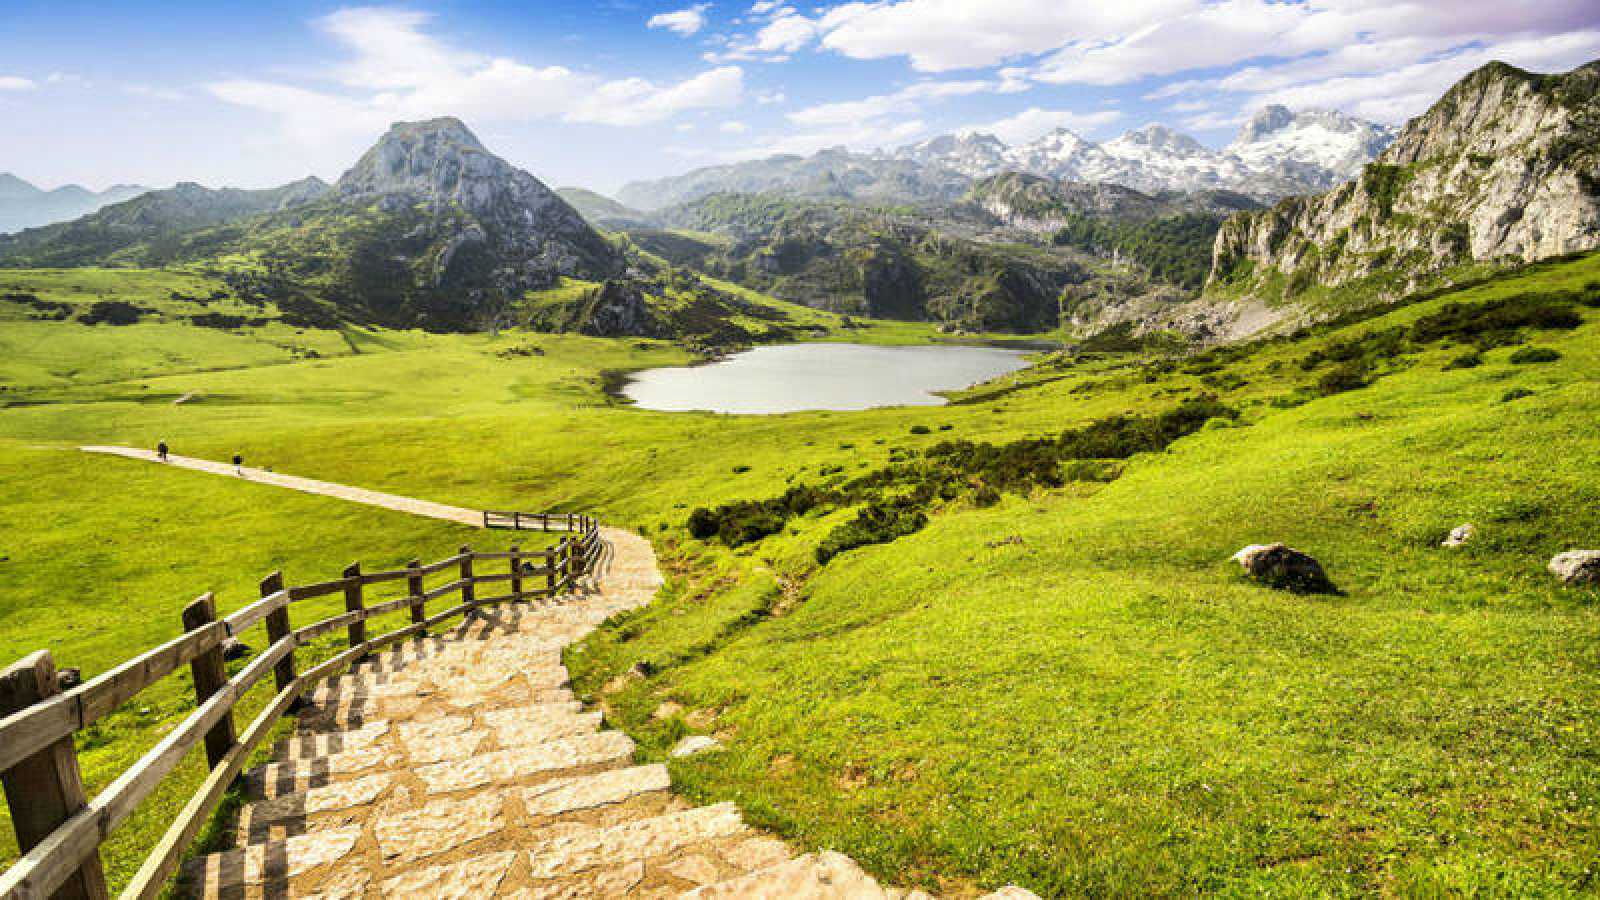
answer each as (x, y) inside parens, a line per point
(795, 377)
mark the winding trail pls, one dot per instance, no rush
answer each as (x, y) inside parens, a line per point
(460, 765)
(396, 502)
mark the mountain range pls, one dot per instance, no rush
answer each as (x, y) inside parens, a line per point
(1278, 153)
(22, 205)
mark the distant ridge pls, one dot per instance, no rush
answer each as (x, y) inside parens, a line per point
(22, 205)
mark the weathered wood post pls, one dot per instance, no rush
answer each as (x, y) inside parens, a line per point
(516, 572)
(414, 588)
(45, 789)
(550, 571)
(210, 675)
(278, 629)
(356, 630)
(469, 594)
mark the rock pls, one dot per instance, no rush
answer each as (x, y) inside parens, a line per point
(1577, 566)
(233, 648)
(1284, 567)
(1459, 535)
(67, 679)
(667, 710)
(694, 743)
(1500, 168)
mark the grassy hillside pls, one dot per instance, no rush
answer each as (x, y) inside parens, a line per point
(1069, 687)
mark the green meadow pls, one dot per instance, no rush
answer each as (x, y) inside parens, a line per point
(1070, 687)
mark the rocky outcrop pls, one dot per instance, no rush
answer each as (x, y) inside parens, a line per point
(1504, 168)
(1282, 566)
(1577, 566)
(620, 309)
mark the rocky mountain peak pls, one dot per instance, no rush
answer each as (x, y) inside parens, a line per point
(1162, 138)
(438, 160)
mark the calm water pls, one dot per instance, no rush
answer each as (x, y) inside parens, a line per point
(793, 377)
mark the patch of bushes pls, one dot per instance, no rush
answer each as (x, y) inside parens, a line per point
(1515, 394)
(1496, 323)
(921, 429)
(1349, 377)
(1469, 360)
(113, 312)
(878, 523)
(1528, 355)
(225, 321)
(44, 310)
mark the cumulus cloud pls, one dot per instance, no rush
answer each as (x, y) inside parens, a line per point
(684, 21)
(16, 83)
(1034, 122)
(396, 69)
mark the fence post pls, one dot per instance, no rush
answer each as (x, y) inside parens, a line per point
(550, 571)
(414, 588)
(468, 593)
(516, 572)
(278, 629)
(353, 603)
(45, 789)
(210, 675)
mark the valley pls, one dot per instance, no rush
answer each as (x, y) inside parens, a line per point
(997, 634)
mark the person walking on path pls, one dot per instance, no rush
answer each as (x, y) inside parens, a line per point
(238, 465)
(161, 450)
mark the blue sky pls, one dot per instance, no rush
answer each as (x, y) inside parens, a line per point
(599, 93)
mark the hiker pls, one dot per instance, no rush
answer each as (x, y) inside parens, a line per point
(238, 465)
(161, 450)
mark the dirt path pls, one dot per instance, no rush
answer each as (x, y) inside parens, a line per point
(308, 485)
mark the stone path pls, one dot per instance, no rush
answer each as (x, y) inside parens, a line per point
(308, 485)
(460, 766)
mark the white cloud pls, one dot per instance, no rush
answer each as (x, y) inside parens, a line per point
(1034, 122)
(733, 128)
(683, 22)
(906, 100)
(16, 83)
(397, 70)
(940, 35)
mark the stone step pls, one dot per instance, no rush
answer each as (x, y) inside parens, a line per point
(352, 712)
(581, 850)
(605, 748)
(268, 864)
(295, 813)
(814, 876)
(312, 745)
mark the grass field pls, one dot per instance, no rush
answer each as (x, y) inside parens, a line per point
(1071, 689)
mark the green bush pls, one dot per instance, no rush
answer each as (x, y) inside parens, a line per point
(1515, 394)
(1469, 360)
(1528, 355)
(1345, 378)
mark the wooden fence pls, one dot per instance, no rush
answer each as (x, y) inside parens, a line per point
(59, 829)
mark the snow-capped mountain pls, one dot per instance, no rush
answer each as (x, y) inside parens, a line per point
(1323, 138)
(1278, 154)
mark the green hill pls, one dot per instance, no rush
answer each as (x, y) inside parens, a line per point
(1045, 670)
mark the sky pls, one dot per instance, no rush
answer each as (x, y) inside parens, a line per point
(600, 93)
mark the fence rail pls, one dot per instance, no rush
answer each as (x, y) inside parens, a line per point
(59, 829)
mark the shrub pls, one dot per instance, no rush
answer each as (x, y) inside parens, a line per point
(1527, 355)
(740, 470)
(113, 312)
(1469, 360)
(1496, 322)
(1345, 378)
(876, 524)
(1515, 394)
(921, 429)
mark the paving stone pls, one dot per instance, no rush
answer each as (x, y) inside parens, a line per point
(470, 879)
(349, 883)
(313, 745)
(517, 762)
(755, 853)
(438, 827)
(588, 791)
(343, 795)
(614, 882)
(632, 841)
(514, 727)
(815, 876)
(696, 868)
(274, 860)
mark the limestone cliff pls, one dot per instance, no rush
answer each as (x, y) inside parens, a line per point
(1504, 168)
